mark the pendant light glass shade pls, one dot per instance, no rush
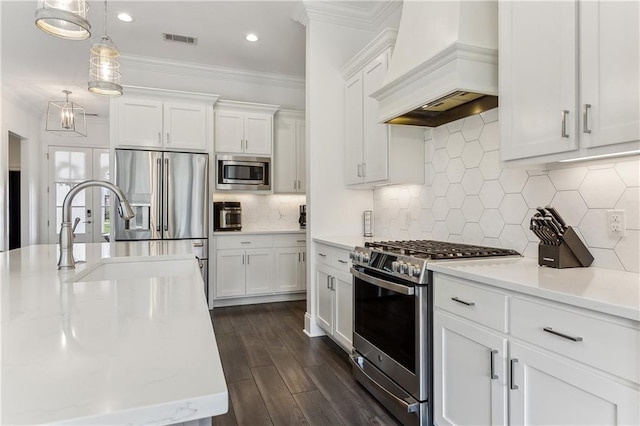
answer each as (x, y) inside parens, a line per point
(104, 68)
(66, 118)
(64, 18)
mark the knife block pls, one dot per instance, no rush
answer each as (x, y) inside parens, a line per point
(571, 253)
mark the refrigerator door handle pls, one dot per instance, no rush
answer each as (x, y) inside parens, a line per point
(159, 203)
(165, 218)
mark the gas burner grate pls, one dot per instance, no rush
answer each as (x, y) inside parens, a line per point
(437, 250)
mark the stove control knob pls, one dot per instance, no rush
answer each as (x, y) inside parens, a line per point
(365, 257)
(414, 270)
(402, 267)
(395, 266)
(352, 255)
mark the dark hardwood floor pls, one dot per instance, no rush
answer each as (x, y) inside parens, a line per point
(277, 375)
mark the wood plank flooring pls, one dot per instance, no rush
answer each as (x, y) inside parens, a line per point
(277, 375)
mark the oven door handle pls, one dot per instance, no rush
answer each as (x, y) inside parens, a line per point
(398, 288)
(410, 406)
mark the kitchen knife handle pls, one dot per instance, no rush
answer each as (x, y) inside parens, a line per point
(557, 216)
(565, 115)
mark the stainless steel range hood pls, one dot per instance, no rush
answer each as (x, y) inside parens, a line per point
(445, 63)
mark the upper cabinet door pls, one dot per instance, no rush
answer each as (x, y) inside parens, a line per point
(376, 146)
(258, 133)
(185, 125)
(284, 173)
(610, 72)
(538, 70)
(354, 133)
(139, 122)
(229, 131)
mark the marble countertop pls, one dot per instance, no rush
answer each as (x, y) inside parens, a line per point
(130, 350)
(604, 290)
(345, 242)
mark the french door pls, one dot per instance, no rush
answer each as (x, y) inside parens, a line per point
(67, 167)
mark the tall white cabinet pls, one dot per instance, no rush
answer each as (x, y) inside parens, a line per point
(289, 152)
(569, 78)
(377, 153)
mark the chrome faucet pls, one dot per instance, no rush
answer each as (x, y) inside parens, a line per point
(125, 211)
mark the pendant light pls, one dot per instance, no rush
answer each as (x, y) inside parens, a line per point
(66, 118)
(64, 18)
(104, 68)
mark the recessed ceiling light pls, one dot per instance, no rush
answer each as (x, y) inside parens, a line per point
(251, 37)
(125, 17)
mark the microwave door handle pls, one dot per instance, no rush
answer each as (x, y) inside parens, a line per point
(398, 288)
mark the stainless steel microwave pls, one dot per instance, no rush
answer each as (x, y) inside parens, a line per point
(242, 173)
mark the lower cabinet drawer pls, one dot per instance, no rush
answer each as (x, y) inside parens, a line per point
(609, 346)
(291, 240)
(244, 242)
(481, 305)
(341, 260)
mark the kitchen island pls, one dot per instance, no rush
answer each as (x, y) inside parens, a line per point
(126, 338)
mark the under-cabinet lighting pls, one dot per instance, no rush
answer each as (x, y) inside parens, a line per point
(596, 157)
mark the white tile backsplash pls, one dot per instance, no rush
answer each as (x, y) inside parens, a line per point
(266, 212)
(469, 198)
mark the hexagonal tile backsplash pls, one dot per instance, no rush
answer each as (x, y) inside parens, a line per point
(469, 198)
(267, 212)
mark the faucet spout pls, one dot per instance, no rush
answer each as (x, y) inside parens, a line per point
(66, 260)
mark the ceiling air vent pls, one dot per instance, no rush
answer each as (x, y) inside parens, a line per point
(180, 38)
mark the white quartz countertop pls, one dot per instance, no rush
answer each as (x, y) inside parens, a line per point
(250, 231)
(345, 242)
(603, 290)
(136, 349)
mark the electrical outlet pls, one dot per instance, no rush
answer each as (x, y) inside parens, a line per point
(616, 225)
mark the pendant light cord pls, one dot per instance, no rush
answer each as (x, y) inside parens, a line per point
(105, 18)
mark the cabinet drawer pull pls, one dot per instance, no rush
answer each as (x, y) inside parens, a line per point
(329, 282)
(565, 114)
(245, 242)
(168, 138)
(301, 241)
(159, 138)
(455, 299)
(585, 119)
(364, 169)
(243, 259)
(359, 170)
(512, 385)
(322, 255)
(342, 261)
(566, 336)
(299, 256)
(493, 371)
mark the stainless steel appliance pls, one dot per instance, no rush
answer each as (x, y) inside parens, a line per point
(242, 173)
(392, 321)
(302, 220)
(227, 216)
(168, 193)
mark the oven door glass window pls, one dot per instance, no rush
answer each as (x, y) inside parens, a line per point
(386, 319)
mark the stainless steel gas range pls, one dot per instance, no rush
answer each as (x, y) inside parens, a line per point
(392, 317)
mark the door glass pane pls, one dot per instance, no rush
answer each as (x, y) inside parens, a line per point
(78, 206)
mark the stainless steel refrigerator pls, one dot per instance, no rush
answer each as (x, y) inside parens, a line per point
(168, 192)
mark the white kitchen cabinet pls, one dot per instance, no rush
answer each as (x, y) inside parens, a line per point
(259, 265)
(289, 161)
(567, 69)
(375, 153)
(553, 363)
(334, 295)
(547, 389)
(244, 128)
(159, 119)
(470, 379)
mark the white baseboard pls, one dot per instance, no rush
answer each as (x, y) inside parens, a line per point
(311, 329)
(252, 300)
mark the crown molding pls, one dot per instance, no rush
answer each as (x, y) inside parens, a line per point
(386, 39)
(189, 69)
(346, 14)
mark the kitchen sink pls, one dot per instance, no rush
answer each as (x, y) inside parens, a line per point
(135, 270)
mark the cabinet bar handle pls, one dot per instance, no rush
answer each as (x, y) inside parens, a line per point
(301, 241)
(359, 170)
(245, 242)
(364, 169)
(493, 371)
(322, 255)
(299, 185)
(329, 282)
(243, 259)
(159, 138)
(248, 257)
(566, 336)
(565, 114)
(342, 261)
(299, 256)
(304, 256)
(168, 138)
(455, 299)
(585, 118)
(512, 385)
(333, 283)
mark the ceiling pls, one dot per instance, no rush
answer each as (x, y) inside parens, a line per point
(36, 67)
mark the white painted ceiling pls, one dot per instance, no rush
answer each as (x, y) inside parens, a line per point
(36, 67)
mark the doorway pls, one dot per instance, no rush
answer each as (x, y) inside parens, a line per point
(15, 170)
(69, 166)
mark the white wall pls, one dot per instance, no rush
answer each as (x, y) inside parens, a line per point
(18, 119)
(331, 208)
(470, 198)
